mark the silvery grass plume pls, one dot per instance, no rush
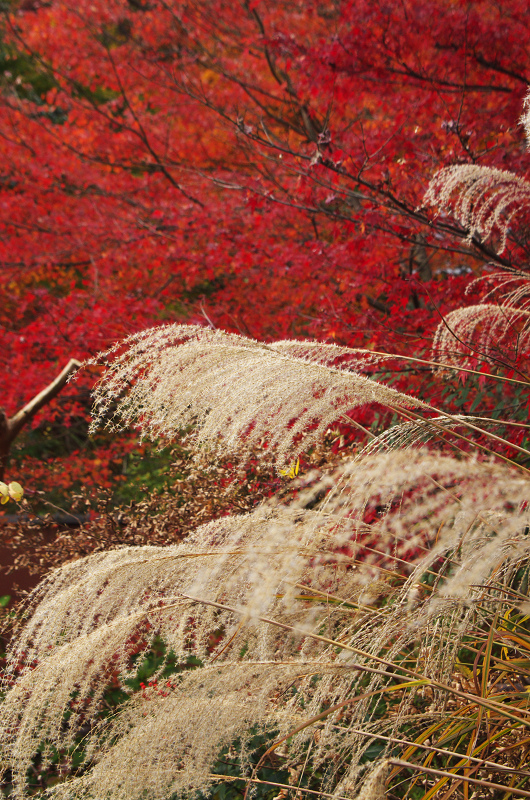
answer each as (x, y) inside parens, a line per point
(234, 391)
(303, 644)
(416, 432)
(496, 330)
(484, 332)
(525, 117)
(509, 288)
(482, 198)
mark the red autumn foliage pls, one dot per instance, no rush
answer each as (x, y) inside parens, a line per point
(257, 166)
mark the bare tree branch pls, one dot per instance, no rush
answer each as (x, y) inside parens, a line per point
(10, 427)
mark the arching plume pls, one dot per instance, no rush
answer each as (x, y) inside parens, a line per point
(234, 391)
(480, 333)
(291, 588)
(480, 198)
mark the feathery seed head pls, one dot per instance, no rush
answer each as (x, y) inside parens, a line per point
(481, 198)
(525, 118)
(233, 391)
(486, 329)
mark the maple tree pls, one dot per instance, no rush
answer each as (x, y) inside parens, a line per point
(260, 169)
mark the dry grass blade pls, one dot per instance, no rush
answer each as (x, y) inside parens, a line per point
(442, 367)
(468, 779)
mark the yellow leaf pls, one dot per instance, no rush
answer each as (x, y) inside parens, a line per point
(292, 472)
(15, 491)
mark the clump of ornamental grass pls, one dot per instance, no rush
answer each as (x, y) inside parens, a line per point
(487, 199)
(372, 631)
(319, 615)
